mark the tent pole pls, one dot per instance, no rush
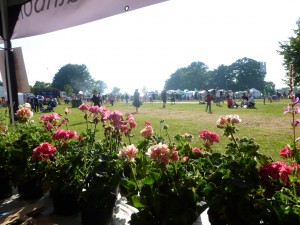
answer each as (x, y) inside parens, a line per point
(7, 48)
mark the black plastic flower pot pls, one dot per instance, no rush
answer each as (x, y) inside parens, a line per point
(96, 217)
(31, 189)
(65, 203)
(5, 186)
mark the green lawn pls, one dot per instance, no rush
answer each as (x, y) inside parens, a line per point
(267, 124)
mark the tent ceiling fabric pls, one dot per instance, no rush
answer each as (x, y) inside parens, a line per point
(16, 2)
(44, 16)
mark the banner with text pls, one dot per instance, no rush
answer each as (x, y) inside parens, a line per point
(44, 16)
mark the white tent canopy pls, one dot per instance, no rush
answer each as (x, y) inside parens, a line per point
(255, 93)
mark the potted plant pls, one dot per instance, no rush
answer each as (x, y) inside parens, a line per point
(243, 186)
(281, 179)
(5, 169)
(102, 167)
(232, 183)
(162, 184)
(87, 164)
(20, 139)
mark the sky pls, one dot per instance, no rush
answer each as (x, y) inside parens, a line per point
(142, 48)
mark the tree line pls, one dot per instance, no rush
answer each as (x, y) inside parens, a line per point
(243, 74)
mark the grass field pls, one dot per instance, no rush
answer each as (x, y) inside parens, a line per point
(267, 124)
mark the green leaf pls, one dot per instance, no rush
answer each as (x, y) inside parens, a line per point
(136, 200)
(148, 181)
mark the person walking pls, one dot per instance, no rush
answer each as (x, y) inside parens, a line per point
(208, 100)
(218, 97)
(126, 98)
(136, 100)
(164, 98)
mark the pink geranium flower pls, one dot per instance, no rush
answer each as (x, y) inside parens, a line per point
(131, 121)
(228, 119)
(129, 152)
(43, 151)
(162, 153)
(208, 136)
(174, 154)
(67, 111)
(24, 114)
(147, 131)
(196, 150)
(286, 152)
(50, 117)
(276, 170)
(65, 135)
(84, 107)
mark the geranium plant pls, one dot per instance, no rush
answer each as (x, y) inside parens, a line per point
(160, 181)
(85, 164)
(281, 179)
(20, 139)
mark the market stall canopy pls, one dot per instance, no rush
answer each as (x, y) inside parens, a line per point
(43, 16)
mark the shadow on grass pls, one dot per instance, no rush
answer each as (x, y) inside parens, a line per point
(75, 124)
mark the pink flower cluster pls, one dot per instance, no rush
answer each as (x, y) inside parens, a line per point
(51, 121)
(65, 135)
(228, 120)
(276, 171)
(286, 152)
(129, 152)
(84, 107)
(110, 118)
(43, 151)
(162, 153)
(147, 131)
(24, 114)
(208, 136)
(95, 111)
(295, 110)
(116, 119)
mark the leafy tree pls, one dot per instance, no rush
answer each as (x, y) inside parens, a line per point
(99, 86)
(115, 91)
(68, 89)
(270, 86)
(144, 90)
(290, 50)
(221, 78)
(245, 74)
(77, 76)
(41, 84)
(175, 80)
(191, 77)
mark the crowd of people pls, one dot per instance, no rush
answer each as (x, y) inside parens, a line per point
(215, 97)
(41, 104)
